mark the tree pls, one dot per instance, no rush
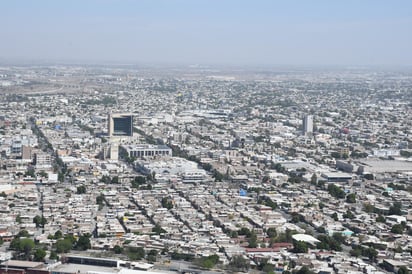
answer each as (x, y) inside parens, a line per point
(268, 268)
(43, 174)
(153, 252)
(23, 234)
(245, 231)
(64, 245)
(60, 177)
(351, 198)
(397, 229)
(25, 246)
(135, 253)
(272, 232)
(253, 240)
(356, 252)
(39, 255)
(158, 229)
(115, 180)
(348, 214)
(138, 181)
(304, 270)
(368, 176)
(117, 249)
(370, 252)
(367, 207)
(167, 203)
(18, 219)
(300, 247)
(336, 191)
(314, 179)
(218, 176)
(81, 189)
(380, 219)
(53, 255)
(40, 221)
(330, 243)
(83, 243)
(239, 263)
(395, 209)
(403, 270)
(209, 261)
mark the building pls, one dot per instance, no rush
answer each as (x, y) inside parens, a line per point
(307, 124)
(144, 150)
(42, 160)
(120, 124)
(26, 153)
(336, 177)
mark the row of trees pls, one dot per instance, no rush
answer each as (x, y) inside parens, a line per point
(27, 249)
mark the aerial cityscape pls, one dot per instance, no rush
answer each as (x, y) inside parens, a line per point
(116, 167)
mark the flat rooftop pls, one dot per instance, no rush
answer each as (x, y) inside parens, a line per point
(92, 269)
(22, 264)
(386, 166)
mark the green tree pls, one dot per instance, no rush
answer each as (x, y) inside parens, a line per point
(304, 270)
(245, 231)
(380, 219)
(218, 176)
(81, 189)
(253, 240)
(336, 191)
(117, 249)
(40, 221)
(368, 176)
(83, 243)
(138, 181)
(25, 246)
(18, 219)
(39, 255)
(115, 180)
(63, 245)
(395, 209)
(53, 255)
(300, 247)
(356, 252)
(367, 207)
(23, 233)
(314, 179)
(348, 214)
(351, 198)
(135, 253)
(58, 234)
(272, 232)
(370, 252)
(239, 263)
(209, 261)
(397, 229)
(158, 229)
(403, 270)
(167, 203)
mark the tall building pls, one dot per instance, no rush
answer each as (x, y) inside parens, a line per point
(307, 124)
(120, 124)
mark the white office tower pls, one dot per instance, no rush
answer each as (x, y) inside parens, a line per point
(114, 151)
(307, 124)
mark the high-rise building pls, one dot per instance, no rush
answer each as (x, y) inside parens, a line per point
(120, 124)
(307, 124)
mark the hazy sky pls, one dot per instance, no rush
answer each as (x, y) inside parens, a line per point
(287, 32)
